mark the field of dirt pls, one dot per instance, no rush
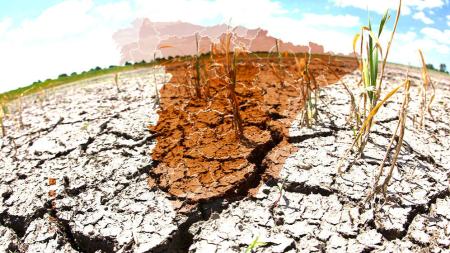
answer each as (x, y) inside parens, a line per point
(198, 153)
(91, 167)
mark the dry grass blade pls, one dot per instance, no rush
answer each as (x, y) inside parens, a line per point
(425, 105)
(398, 135)
(366, 125)
(277, 74)
(237, 122)
(2, 114)
(228, 77)
(116, 82)
(280, 72)
(206, 85)
(354, 112)
(355, 40)
(309, 91)
(155, 83)
(397, 17)
(430, 102)
(368, 66)
(197, 65)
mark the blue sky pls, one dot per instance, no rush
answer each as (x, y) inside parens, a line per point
(42, 39)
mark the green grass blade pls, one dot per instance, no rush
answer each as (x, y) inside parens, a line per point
(373, 73)
(383, 21)
(366, 73)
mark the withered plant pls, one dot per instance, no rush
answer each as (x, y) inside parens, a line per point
(366, 125)
(2, 114)
(206, 80)
(231, 80)
(397, 137)
(372, 80)
(280, 187)
(188, 80)
(354, 117)
(155, 84)
(226, 74)
(279, 70)
(427, 84)
(41, 97)
(309, 91)
(116, 82)
(197, 67)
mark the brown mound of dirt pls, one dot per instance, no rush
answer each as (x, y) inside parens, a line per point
(198, 154)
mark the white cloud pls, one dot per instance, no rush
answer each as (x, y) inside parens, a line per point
(425, 4)
(437, 35)
(76, 35)
(331, 20)
(297, 32)
(422, 17)
(5, 24)
(380, 6)
(249, 12)
(448, 20)
(405, 48)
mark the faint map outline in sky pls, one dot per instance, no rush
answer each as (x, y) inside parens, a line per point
(143, 40)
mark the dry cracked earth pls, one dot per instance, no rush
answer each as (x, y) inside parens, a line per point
(74, 179)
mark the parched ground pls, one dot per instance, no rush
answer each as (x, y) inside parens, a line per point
(75, 178)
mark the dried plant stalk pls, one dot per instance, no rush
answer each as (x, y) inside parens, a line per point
(206, 85)
(425, 105)
(309, 91)
(197, 66)
(2, 114)
(354, 111)
(231, 81)
(372, 81)
(366, 126)
(155, 84)
(116, 82)
(280, 71)
(398, 135)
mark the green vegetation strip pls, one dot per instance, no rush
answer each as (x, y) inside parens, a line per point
(64, 79)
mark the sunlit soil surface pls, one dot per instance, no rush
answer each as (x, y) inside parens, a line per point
(198, 153)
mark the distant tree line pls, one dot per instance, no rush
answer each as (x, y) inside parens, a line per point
(143, 62)
(442, 68)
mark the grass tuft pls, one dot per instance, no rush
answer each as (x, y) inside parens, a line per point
(309, 91)
(372, 80)
(254, 245)
(226, 74)
(367, 124)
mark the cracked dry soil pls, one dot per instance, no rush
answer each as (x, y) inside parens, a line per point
(198, 154)
(75, 177)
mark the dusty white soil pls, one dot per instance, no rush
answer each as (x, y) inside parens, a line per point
(94, 141)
